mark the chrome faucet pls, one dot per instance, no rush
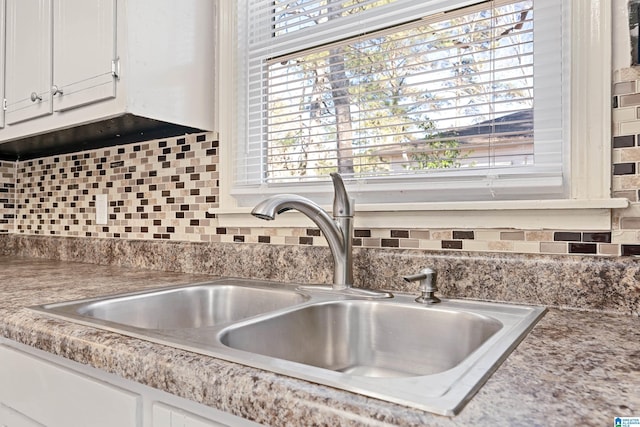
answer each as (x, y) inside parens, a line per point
(337, 230)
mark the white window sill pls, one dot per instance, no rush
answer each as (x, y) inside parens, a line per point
(590, 215)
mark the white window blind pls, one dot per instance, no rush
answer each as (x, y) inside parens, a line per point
(440, 100)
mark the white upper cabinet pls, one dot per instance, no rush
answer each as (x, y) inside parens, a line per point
(107, 66)
(84, 52)
(28, 60)
(61, 54)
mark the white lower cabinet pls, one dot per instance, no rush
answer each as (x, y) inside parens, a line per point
(54, 396)
(167, 416)
(38, 389)
(11, 418)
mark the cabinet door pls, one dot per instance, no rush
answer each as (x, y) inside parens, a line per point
(167, 416)
(11, 418)
(28, 61)
(57, 397)
(84, 51)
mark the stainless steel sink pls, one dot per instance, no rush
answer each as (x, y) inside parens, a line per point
(190, 307)
(185, 307)
(429, 357)
(368, 338)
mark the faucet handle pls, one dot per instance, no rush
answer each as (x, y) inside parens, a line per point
(427, 278)
(342, 204)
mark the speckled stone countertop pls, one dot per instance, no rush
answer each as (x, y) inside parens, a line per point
(574, 368)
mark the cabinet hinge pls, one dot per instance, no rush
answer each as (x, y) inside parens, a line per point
(4, 104)
(115, 68)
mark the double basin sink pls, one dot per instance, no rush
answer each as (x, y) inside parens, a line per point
(429, 357)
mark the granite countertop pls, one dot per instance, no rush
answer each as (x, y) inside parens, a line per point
(575, 367)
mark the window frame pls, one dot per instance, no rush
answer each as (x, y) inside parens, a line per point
(587, 205)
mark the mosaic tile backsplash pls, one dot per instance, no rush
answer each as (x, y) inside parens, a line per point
(161, 190)
(7, 196)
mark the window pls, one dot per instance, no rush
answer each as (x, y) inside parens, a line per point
(443, 100)
(579, 198)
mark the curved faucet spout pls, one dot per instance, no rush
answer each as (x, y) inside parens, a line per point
(337, 231)
(269, 208)
(338, 239)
